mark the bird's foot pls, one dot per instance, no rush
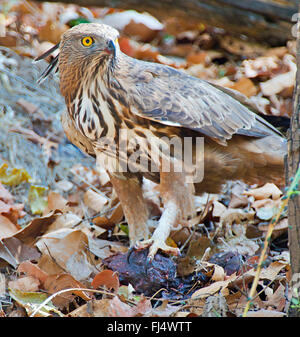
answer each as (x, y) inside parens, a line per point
(154, 245)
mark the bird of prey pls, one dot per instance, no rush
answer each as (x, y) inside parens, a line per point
(118, 106)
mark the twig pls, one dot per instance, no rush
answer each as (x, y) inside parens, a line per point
(54, 260)
(90, 185)
(48, 299)
(158, 291)
(284, 203)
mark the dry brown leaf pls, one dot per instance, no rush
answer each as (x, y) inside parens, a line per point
(233, 300)
(117, 214)
(238, 200)
(180, 236)
(245, 86)
(143, 307)
(199, 70)
(147, 52)
(219, 286)
(55, 202)
(5, 195)
(68, 220)
(277, 299)
(55, 283)
(120, 309)
(7, 228)
(261, 66)
(230, 215)
(94, 200)
(164, 310)
(105, 248)
(266, 203)
(278, 84)
(94, 308)
(107, 278)
(33, 270)
(68, 248)
(14, 251)
(198, 246)
(218, 209)
(12, 211)
(269, 190)
(223, 81)
(49, 266)
(86, 175)
(219, 273)
(281, 225)
(287, 93)
(25, 284)
(8, 208)
(185, 266)
(237, 216)
(36, 228)
(282, 81)
(268, 273)
(197, 305)
(240, 244)
(109, 222)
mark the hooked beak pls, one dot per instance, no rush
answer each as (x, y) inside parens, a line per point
(111, 48)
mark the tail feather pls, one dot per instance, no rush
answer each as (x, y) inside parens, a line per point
(253, 160)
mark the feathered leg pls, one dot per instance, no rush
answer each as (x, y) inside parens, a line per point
(177, 197)
(135, 209)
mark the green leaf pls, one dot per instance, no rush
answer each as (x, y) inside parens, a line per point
(36, 199)
(125, 229)
(13, 177)
(77, 21)
(295, 301)
(31, 300)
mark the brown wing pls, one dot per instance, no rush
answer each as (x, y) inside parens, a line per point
(169, 96)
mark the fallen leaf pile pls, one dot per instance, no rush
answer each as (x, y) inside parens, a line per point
(63, 236)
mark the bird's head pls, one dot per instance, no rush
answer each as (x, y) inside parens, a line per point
(86, 50)
(89, 43)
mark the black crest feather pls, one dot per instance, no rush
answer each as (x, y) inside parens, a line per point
(52, 65)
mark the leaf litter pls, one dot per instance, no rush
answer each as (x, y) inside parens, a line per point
(61, 225)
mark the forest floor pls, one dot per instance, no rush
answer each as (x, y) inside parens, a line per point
(60, 220)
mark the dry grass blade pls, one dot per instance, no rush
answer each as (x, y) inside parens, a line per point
(291, 191)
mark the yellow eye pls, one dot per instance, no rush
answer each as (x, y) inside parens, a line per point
(87, 41)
